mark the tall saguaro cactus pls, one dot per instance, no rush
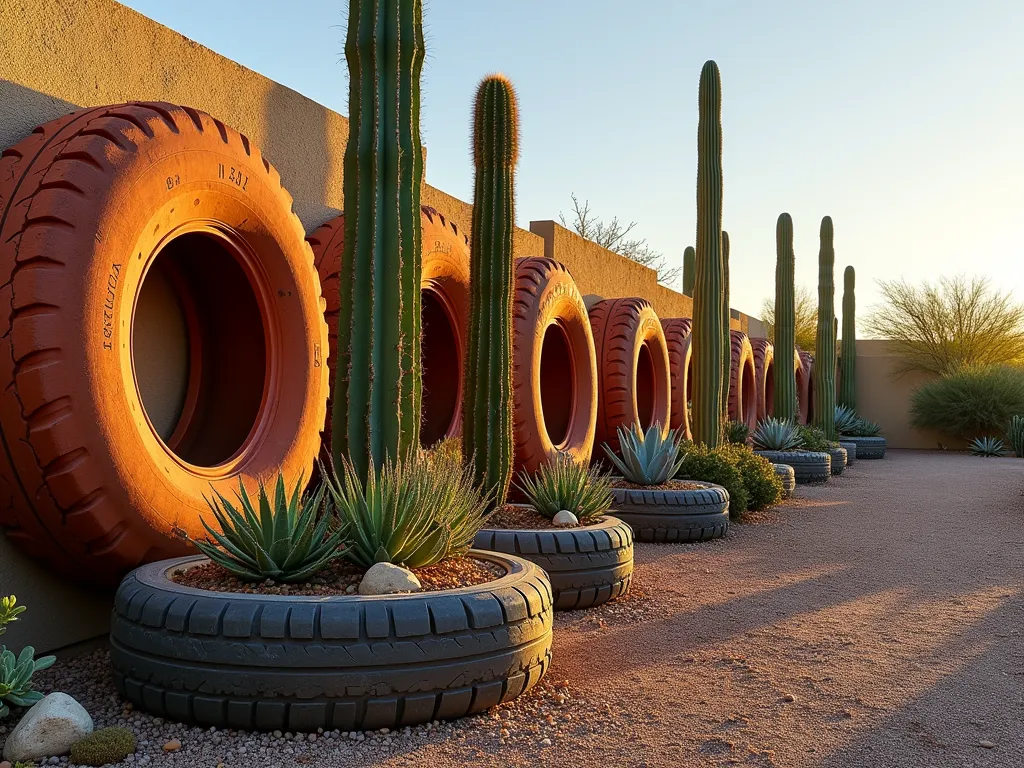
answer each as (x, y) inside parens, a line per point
(726, 324)
(378, 392)
(487, 389)
(825, 343)
(848, 378)
(709, 283)
(689, 268)
(785, 321)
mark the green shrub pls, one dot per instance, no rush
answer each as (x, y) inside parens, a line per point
(970, 400)
(813, 439)
(102, 747)
(566, 484)
(719, 467)
(414, 512)
(737, 432)
(1015, 434)
(762, 483)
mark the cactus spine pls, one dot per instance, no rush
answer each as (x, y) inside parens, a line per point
(487, 389)
(825, 342)
(689, 267)
(785, 321)
(708, 351)
(726, 325)
(848, 379)
(378, 391)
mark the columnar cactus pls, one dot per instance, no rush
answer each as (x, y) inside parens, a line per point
(825, 346)
(487, 389)
(709, 350)
(726, 325)
(689, 268)
(786, 406)
(378, 392)
(848, 379)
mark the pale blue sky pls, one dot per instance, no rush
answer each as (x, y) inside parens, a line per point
(903, 120)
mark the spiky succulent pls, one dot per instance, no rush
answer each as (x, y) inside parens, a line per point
(849, 424)
(1015, 434)
(737, 432)
(647, 459)
(16, 678)
(772, 434)
(565, 484)
(284, 538)
(414, 512)
(987, 446)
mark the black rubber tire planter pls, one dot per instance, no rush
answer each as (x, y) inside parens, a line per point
(788, 478)
(587, 566)
(808, 466)
(838, 460)
(851, 450)
(298, 663)
(674, 515)
(868, 447)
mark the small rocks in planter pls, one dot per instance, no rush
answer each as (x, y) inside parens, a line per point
(50, 727)
(388, 579)
(565, 519)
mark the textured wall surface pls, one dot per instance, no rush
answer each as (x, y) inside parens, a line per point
(60, 55)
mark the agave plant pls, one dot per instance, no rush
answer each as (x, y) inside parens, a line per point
(987, 446)
(848, 423)
(864, 428)
(1015, 433)
(414, 512)
(286, 539)
(772, 434)
(16, 678)
(565, 484)
(647, 459)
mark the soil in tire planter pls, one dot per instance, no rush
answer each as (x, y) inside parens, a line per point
(588, 565)
(675, 515)
(162, 333)
(258, 662)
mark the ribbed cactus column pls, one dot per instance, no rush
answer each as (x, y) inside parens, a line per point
(378, 391)
(848, 379)
(689, 268)
(785, 321)
(726, 324)
(487, 389)
(708, 349)
(825, 346)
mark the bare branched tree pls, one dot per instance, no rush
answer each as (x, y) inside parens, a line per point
(613, 235)
(945, 326)
(806, 311)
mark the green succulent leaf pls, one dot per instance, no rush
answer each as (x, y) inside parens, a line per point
(566, 484)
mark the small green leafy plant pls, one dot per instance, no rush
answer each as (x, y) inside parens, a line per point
(16, 678)
(647, 459)
(969, 401)
(284, 538)
(813, 439)
(987, 446)
(772, 434)
(1015, 434)
(9, 611)
(718, 467)
(737, 432)
(565, 484)
(105, 746)
(761, 482)
(414, 512)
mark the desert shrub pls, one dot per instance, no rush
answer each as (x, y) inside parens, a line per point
(813, 439)
(737, 432)
(103, 747)
(586, 491)
(763, 485)
(970, 400)
(718, 467)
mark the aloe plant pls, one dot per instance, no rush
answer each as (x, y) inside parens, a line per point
(987, 446)
(284, 538)
(647, 459)
(1015, 434)
(16, 678)
(567, 484)
(849, 424)
(774, 434)
(414, 512)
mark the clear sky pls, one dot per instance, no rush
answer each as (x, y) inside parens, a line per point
(903, 120)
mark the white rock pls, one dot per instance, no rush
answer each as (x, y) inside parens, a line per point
(50, 727)
(565, 519)
(388, 579)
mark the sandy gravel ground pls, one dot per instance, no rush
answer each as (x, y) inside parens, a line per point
(874, 621)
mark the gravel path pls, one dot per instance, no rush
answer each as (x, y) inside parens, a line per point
(875, 621)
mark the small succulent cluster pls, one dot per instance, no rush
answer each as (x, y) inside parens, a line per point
(16, 670)
(849, 424)
(647, 458)
(105, 746)
(566, 484)
(987, 446)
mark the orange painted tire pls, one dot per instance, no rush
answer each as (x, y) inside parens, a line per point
(680, 363)
(445, 316)
(554, 371)
(805, 386)
(162, 333)
(742, 386)
(634, 387)
(764, 376)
